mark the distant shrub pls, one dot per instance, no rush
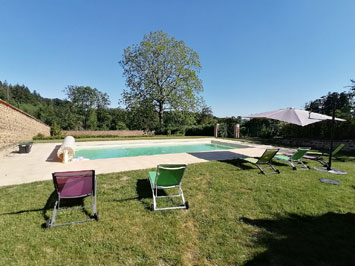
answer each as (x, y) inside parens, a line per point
(55, 130)
(202, 130)
(39, 136)
(121, 126)
(223, 130)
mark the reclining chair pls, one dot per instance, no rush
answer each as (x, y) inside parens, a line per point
(264, 160)
(74, 185)
(295, 159)
(317, 156)
(165, 177)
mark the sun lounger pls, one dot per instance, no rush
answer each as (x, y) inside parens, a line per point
(165, 177)
(74, 185)
(294, 159)
(264, 161)
(317, 156)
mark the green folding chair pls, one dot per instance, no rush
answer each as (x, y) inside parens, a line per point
(295, 159)
(264, 161)
(165, 177)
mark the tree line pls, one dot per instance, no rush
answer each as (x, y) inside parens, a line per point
(88, 108)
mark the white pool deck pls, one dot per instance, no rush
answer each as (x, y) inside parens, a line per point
(19, 168)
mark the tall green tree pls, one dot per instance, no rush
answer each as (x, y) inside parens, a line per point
(86, 100)
(163, 72)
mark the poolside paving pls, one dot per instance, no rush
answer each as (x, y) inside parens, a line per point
(18, 168)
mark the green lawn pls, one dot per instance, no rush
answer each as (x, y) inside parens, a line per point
(236, 217)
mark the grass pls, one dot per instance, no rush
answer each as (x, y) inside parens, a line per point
(237, 217)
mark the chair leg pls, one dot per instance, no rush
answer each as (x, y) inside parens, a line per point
(273, 168)
(155, 194)
(51, 221)
(182, 195)
(323, 162)
(303, 165)
(94, 200)
(261, 169)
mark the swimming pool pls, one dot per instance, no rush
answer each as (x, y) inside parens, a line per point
(95, 153)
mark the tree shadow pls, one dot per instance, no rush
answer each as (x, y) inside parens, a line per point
(327, 239)
(217, 155)
(240, 164)
(53, 155)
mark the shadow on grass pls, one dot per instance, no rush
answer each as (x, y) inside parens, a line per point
(66, 203)
(248, 166)
(49, 205)
(216, 155)
(306, 240)
(143, 191)
(240, 164)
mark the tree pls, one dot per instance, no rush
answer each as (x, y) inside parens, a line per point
(86, 100)
(163, 72)
(342, 102)
(205, 117)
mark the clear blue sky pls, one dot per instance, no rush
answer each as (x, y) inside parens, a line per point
(256, 55)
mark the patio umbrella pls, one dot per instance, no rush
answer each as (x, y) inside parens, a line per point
(294, 116)
(301, 118)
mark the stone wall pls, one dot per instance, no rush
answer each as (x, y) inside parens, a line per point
(16, 125)
(120, 133)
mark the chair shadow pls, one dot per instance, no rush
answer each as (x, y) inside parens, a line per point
(65, 203)
(50, 205)
(327, 239)
(53, 155)
(144, 191)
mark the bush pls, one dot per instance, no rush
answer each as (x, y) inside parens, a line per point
(39, 136)
(55, 130)
(121, 126)
(223, 130)
(202, 130)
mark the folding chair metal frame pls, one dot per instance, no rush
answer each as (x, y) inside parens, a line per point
(295, 162)
(73, 174)
(267, 163)
(155, 187)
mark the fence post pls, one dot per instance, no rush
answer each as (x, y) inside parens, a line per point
(236, 131)
(216, 128)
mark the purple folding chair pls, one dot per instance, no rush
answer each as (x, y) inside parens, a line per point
(74, 185)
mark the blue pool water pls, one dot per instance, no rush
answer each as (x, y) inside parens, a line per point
(117, 152)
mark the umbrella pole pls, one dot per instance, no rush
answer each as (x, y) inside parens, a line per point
(331, 139)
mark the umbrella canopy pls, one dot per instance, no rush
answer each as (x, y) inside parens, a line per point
(294, 116)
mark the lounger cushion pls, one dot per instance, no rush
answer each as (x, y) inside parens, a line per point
(311, 157)
(282, 157)
(251, 160)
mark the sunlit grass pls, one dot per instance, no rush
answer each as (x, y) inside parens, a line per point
(237, 216)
